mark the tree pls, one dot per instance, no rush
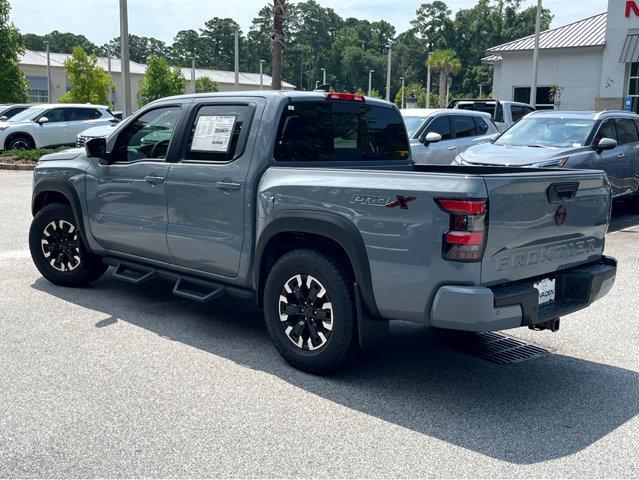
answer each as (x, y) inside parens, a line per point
(160, 81)
(434, 24)
(89, 83)
(218, 40)
(205, 85)
(446, 63)
(140, 48)
(279, 12)
(187, 45)
(59, 42)
(13, 85)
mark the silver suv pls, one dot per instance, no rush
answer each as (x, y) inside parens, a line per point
(438, 135)
(607, 141)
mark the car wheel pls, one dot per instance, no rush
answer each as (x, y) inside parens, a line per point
(58, 251)
(19, 142)
(308, 308)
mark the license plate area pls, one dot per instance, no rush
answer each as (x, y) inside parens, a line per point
(547, 290)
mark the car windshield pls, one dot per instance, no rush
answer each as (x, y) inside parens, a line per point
(547, 132)
(28, 114)
(413, 124)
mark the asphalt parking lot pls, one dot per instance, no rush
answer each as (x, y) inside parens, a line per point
(116, 380)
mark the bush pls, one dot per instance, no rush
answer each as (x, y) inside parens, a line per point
(31, 155)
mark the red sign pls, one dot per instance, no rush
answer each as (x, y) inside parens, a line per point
(631, 5)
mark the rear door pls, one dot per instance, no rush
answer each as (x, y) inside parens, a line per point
(543, 221)
(629, 142)
(81, 118)
(464, 132)
(207, 191)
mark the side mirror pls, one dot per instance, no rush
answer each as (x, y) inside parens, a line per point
(432, 137)
(42, 120)
(96, 147)
(3, 118)
(606, 144)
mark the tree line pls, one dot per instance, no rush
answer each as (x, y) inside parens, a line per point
(317, 38)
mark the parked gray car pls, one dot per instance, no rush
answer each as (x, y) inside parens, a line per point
(307, 204)
(607, 141)
(438, 135)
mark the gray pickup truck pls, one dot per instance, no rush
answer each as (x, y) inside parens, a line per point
(307, 204)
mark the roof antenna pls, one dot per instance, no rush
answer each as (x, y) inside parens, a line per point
(325, 87)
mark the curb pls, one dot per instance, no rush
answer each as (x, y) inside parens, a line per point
(14, 166)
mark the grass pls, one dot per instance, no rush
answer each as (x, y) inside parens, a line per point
(26, 156)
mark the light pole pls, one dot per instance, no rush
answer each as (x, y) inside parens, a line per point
(401, 102)
(193, 74)
(370, 82)
(388, 73)
(323, 76)
(109, 95)
(124, 57)
(48, 73)
(533, 88)
(428, 82)
(261, 74)
(316, 84)
(237, 59)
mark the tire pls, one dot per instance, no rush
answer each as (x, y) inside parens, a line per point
(19, 142)
(58, 251)
(294, 319)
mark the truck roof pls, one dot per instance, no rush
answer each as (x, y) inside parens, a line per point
(584, 115)
(294, 94)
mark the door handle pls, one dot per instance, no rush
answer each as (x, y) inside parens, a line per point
(621, 155)
(228, 186)
(452, 148)
(153, 180)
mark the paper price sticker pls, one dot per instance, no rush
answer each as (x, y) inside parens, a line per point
(213, 133)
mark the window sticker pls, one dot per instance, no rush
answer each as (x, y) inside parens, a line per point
(213, 133)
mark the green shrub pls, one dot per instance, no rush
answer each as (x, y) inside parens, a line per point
(34, 154)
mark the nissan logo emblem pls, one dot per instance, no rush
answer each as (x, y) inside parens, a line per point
(560, 216)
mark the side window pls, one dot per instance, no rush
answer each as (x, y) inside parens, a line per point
(56, 115)
(439, 125)
(218, 133)
(518, 112)
(148, 136)
(463, 126)
(482, 126)
(606, 130)
(79, 114)
(626, 131)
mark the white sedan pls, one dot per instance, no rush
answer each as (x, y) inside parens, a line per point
(52, 125)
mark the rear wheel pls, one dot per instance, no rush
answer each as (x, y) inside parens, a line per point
(57, 249)
(309, 311)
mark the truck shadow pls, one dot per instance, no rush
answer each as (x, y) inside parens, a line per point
(539, 410)
(625, 214)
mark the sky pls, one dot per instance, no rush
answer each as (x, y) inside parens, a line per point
(98, 19)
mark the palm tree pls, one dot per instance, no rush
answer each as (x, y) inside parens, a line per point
(279, 10)
(447, 64)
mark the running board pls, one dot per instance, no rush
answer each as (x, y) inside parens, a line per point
(135, 275)
(198, 290)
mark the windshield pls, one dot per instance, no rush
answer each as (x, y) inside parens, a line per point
(547, 132)
(413, 124)
(28, 114)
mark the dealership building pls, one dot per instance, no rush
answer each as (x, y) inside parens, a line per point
(34, 66)
(591, 64)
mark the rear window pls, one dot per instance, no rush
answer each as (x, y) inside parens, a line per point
(328, 131)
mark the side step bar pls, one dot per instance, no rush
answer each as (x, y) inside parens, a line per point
(185, 286)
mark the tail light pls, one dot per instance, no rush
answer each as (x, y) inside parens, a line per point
(465, 240)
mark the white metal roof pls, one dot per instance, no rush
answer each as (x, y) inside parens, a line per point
(30, 57)
(589, 32)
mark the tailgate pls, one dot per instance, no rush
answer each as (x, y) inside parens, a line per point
(540, 222)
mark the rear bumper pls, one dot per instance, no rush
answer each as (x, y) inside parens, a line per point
(482, 309)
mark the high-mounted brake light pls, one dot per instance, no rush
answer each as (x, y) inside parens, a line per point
(348, 97)
(466, 238)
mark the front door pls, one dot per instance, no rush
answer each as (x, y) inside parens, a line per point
(207, 192)
(438, 153)
(126, 199)
(55, 131)
(613, 161)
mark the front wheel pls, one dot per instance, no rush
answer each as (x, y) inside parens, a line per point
(57, 249)
(309, 312)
